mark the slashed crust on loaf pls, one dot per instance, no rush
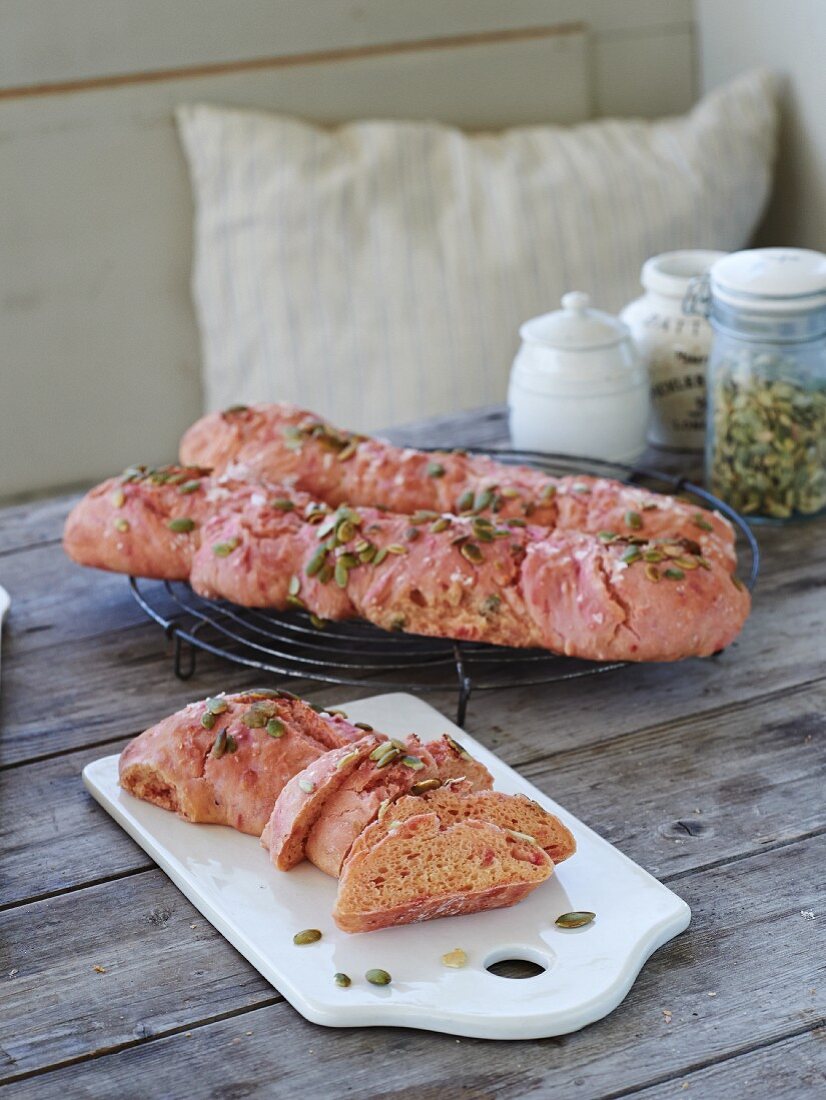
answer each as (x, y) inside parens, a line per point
(424, 869)
(175, 764)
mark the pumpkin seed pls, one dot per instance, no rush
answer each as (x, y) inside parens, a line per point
(378, 977)
(347, 451)
(281, 504)
(491, 604)
(294, 587)
(607, 536)
(345, 531)
(423, 515)
(652, 573)
(516, 522)
(482, 500)
(235, 409)
(455, 959)
(348, 758)
(341, 980)
(275, 728)
(368, 554)
(699, 521)
(412, 533)
(686, 563)
(309, 935)
(219, 746)
(388, 757)
(425, 785)
(396, 548)
(306, 785)
(181, 525)
(313, 566)
(435, 469)
(548, 491)
(440, 525)
(363, 726)
(465, 501)
(631, 555)
(412, 762)
(379, 750)
(224, 549)
(232, 744)
(634, 520)
(674, 574)
(120, 524)
(703, 564)
(458, 748)
(653, 555)
(216, 706)
(380, 556)
(471, 552)
(577, 919)
(581, 487)
(317, 621)
(295, 602)
(118, 498)
(341, 574)
(208, 720)
(257, 716)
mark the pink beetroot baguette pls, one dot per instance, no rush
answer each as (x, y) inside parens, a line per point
(302, 799)
(636, 597)
(426, 868)
(359, 799)
(225, 760)
(282, 443)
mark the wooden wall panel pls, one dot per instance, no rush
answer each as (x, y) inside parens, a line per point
(100, 355)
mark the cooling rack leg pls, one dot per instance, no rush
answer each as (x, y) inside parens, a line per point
(184, 673)
(465, 688)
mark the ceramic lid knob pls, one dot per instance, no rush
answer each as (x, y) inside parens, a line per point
(576, 301)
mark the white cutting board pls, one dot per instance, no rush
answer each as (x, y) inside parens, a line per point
(228, 877)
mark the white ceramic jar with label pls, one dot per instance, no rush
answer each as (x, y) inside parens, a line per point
(674, 347)
(577, 385)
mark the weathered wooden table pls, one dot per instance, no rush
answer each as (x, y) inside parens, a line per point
(708, 773)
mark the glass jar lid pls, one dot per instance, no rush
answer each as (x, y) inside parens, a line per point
(575, 327)
(771, 280)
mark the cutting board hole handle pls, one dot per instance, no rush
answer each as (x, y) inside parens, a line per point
(517, 962)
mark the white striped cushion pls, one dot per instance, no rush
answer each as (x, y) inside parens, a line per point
(379, 272)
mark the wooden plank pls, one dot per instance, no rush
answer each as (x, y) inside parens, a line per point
(787, 1070)
(748, 946)
(755, 774)
(47, 40)
(33, 523)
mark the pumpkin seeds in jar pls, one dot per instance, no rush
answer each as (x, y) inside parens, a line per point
(767, 455)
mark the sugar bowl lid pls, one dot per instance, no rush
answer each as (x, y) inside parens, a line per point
(575, 327)
(771, 279)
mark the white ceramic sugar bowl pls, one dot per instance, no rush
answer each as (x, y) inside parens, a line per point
(578, 385)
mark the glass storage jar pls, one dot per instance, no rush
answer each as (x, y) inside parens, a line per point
(766, 426)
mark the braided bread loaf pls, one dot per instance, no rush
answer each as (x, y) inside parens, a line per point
(621, 596)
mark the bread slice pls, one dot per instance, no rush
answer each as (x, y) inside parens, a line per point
(302, 800)
(515, 812)
(425, 868)
(351, 808)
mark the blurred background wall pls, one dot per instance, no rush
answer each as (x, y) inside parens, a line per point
(95, 222)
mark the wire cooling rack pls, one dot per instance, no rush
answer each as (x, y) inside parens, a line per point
(360, 654)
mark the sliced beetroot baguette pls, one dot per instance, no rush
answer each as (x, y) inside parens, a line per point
(281, 442)
(454, 802)
(425, 868)
(351, 808)
(372, 786)
(225, 760)
(302, 800)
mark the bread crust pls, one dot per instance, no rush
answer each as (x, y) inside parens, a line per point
(564, 591)
(281, 442)
(175, 764)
